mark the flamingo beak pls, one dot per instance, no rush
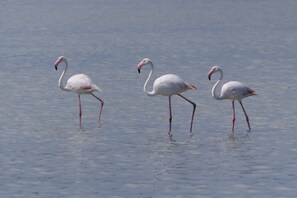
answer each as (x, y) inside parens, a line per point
(57, 63)
(209, 75)
(139, 67)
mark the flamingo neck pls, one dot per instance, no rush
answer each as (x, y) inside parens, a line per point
(62, 77)
(213, 91)
(150, 93)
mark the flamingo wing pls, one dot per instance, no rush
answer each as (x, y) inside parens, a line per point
(81, 83)
(170, 84)
(236, 90)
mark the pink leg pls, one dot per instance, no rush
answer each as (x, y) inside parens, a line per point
(170, 114)
(246, 116)
(233, 116)
(194, 108)
(80, 110)
(101, 107)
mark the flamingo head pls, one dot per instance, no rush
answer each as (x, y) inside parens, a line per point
(142, 63)
(214, 69)
(58, 61)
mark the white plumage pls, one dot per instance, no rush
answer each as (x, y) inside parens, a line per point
(81, 84)
(170, 84)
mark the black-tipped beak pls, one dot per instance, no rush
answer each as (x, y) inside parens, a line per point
(209, 75)
(138, 71)
(56, 67)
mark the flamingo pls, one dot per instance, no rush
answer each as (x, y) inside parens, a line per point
(80, 84)
(167, 85)
(232, 90)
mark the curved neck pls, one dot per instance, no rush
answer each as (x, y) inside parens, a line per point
(150, 93)
(62, 77)
(213, 91)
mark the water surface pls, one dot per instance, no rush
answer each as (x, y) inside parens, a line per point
(45, 154)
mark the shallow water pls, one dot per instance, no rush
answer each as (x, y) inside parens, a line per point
(44, 153)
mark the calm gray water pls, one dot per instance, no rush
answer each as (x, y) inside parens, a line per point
(44, 153)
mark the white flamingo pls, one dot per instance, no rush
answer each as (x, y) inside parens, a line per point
(80, 84)
(232, 90)
(167, 85)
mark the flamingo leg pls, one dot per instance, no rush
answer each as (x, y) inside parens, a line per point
(101, 108)
(246, 116)
(80, 110)
(170, 114)
(233, 116)
(194, 108)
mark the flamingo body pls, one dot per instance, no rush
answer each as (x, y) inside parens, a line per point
(167, 85)
(236, 90)
(80, 84)
(232, 90)
(170, 84)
